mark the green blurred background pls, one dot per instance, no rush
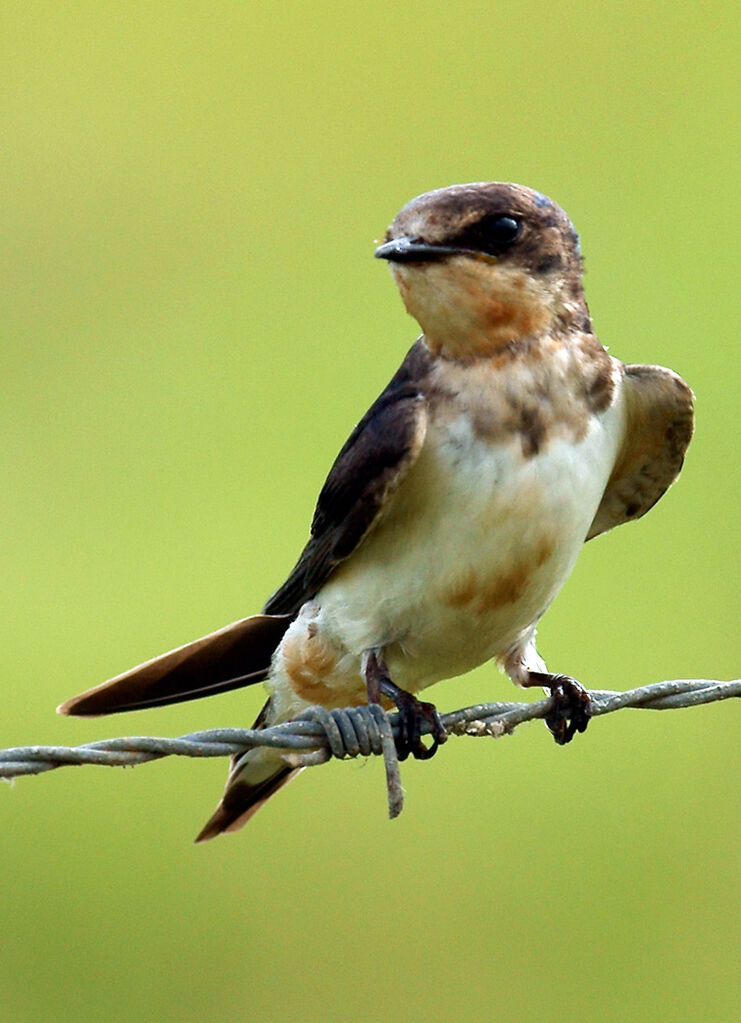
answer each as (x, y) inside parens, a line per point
(192, 321)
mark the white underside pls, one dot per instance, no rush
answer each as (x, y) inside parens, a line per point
(468, 515)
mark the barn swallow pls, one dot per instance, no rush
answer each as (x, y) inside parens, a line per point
(456, 510)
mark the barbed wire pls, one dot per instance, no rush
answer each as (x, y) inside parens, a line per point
(318, 734)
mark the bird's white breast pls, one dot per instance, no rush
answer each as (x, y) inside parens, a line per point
(476, 542)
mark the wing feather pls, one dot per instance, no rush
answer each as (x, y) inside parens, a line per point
(377, 456)
(659, 424)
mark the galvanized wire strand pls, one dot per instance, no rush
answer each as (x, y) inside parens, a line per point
(319, 734)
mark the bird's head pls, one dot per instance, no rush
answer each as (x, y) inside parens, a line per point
(483, 266)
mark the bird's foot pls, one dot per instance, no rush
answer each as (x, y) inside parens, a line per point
(571, 707)
(412, 712)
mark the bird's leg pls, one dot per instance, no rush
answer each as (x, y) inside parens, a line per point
(412, 712)
(570, 711)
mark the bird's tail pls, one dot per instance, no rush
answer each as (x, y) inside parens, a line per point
(235, 656)
(254, 777)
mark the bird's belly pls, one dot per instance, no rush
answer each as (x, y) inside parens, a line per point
(476, 545)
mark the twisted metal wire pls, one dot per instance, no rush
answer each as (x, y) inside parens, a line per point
(319, 734)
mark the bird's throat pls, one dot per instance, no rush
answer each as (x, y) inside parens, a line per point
(470, 309)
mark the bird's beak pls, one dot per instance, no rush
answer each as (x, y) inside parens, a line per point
(409, 250)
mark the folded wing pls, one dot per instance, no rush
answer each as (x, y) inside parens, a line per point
(377, 456)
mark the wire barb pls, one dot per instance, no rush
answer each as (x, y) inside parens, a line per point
(319, 734)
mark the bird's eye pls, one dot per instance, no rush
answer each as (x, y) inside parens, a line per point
(500, 231)
(493, 234)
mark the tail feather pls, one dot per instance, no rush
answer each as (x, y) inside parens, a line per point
(255, 777)
(235, 656)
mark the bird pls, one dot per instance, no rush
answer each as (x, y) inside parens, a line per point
(456, 510)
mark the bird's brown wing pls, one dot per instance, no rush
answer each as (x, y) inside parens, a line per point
(659, 422)
(375, 459)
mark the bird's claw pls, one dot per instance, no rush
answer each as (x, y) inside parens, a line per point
(570, 710)
(413, 713)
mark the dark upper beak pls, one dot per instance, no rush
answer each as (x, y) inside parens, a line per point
(408, 250)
